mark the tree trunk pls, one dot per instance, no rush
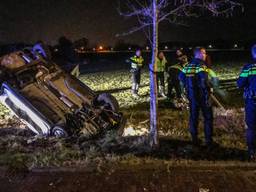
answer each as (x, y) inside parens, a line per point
(153, 83)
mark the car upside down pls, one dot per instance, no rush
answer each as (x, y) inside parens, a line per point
(52, 102)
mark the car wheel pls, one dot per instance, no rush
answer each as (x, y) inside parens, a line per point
(59, 132)
(108, 100)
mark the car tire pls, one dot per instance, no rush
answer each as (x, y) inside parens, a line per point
(108, 100)
(59, 132)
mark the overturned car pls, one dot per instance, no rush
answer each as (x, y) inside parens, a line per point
(52, 102)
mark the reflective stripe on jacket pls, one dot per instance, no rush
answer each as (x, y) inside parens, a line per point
(195, 78)
(177, 66)
(247, 81)
(193, 69)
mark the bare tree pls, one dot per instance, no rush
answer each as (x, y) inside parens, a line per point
(150, 13)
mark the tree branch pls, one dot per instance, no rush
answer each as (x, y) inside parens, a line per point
(142, 9)
(133, 30)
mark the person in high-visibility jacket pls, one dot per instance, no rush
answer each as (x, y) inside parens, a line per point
(160, 70)
(194, 77)
(173, 73)
(136, 66)
(247, 81)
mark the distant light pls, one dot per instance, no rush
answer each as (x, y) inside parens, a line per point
(100, 48)
(94, 49)
(166, 47)
(235, 46)
(130, 48)
(82, 48)
(181, 48)
(210, 46)
(56, 50)
(147, 48)
(111, 48)
(190, 48)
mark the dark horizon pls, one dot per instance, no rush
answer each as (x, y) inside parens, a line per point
(99, 21)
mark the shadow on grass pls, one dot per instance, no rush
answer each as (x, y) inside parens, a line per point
(169, 149)
(178, 149)
(162, 104)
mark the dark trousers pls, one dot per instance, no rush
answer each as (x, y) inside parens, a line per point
(160, 79)
(250, 118)
(195, 109)
(136, 76)
(173, 82)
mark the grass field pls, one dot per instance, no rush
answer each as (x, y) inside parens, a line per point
(119, 83)
(21, 149)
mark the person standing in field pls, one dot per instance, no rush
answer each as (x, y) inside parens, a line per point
(136, 66)
(194, 77)
(160, 70)
(173, 73)
(247, 81)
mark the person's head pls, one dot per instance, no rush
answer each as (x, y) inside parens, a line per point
(200, 53)
(161, 55)
(254, 51)
(138, 53)
(179, 52)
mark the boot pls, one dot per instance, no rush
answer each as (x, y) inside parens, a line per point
(251, 156)
(161, 92)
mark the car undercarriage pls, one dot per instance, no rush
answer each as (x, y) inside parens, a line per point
(52, 102)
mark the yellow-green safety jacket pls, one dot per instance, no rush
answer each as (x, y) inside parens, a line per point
(136, 62)
(178, 66)
(160, 65)
(211, 73)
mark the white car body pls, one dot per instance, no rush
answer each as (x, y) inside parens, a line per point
(9, 94)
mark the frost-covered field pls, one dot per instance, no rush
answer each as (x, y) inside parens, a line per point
(119, 83)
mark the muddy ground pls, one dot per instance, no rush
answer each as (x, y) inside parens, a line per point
(181, 179)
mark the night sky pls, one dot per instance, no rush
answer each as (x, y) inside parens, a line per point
(99, 21)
